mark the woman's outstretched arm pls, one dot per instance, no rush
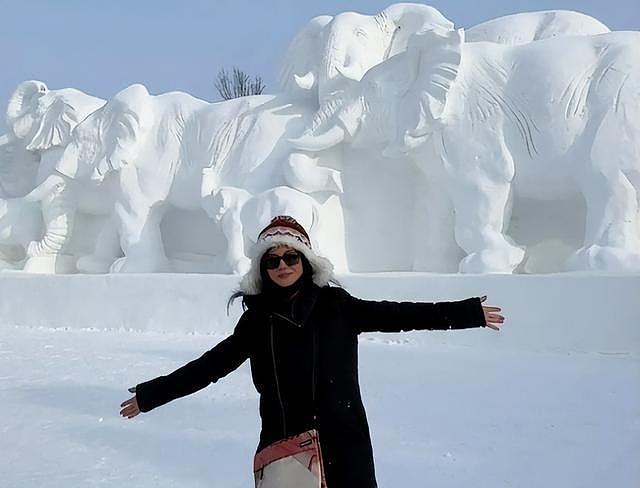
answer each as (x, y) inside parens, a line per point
(214, 364)
(389, 316)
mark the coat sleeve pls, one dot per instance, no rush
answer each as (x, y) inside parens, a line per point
(388, 316)
(214, 364)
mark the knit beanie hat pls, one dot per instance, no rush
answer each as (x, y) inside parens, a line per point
(284, 230)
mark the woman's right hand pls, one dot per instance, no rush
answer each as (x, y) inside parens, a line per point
(491, 316)
(130, 407)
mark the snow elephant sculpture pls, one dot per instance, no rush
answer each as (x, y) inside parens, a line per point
(40, 122)
(484, 120)
(331, 53)
(242, 216)
(157, 149)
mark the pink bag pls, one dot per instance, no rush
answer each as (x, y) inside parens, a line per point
(295, 462)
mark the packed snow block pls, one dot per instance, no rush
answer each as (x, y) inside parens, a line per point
(573, 312)
(140, 302)
(563, 312)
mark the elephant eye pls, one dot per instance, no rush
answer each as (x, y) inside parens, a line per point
(360, 33)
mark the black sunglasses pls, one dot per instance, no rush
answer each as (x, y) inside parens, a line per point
(272, 261)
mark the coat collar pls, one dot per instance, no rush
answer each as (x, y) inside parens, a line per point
(301, 305)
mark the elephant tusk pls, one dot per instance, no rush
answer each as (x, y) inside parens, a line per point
(350, 72)
(43, 189)
(305, 82)
(313, 143)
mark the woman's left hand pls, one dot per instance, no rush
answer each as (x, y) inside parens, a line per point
(130, 407)
(491, 316)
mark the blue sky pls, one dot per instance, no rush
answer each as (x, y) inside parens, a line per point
(102, 46)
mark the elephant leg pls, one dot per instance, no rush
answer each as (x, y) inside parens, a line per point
(610, 185)
(140, 240)
(11, 256)
(435, 247)
(106, 251)
(225, 207)
(138, 219)
(479, 220)
(233, 230)
(612, 230)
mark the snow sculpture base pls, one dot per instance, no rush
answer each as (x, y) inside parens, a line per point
(560, 312)
(58, 264)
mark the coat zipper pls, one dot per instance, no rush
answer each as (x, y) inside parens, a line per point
(284, 317)
(314, 376)
(275, 374)
(275, 369)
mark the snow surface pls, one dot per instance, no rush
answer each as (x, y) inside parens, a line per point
(552, 400)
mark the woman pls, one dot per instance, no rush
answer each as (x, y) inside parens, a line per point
(301, 336)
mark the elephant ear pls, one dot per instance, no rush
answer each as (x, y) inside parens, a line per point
(48, 118)
(299, 71)
(434, 57)
(57, 120)
(109, 138)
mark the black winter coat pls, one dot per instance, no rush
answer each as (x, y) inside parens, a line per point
(304, 364)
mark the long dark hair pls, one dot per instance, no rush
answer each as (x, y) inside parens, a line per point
(268, 286)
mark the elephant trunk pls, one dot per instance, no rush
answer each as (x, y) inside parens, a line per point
(7, 230)
(22, 97)
(53, 182)
(332, 58)
(58, 214)
(329, 78)
(58, 223)
(326, 113)
(388, 22)
(317, 143)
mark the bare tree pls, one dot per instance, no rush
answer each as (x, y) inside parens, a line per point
(237, 84)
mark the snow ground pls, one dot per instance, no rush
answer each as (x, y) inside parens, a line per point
(441, 415)
(447, 409)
